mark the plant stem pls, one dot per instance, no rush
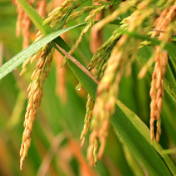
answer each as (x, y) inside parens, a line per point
(78, 64)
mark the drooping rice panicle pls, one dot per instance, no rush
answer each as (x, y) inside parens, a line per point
(35, 93)
(96, 35)
(163, 23)
(23, 24)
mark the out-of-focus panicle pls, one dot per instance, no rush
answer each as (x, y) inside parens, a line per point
(41, 8)
(20, 12)
(14, 2)
(23, 24)
(96, 35)
(60, 78)
(119, 59)
(60, 71)
(26, 24)
(35, 93)
(163, 23)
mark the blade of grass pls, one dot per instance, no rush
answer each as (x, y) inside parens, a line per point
(130, 159)
(142, 128)
(173, 67)
(168, 117)
(32, 49)
(172, 72)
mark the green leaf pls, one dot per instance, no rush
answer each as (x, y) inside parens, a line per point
(32, 49)
(172, 72)
(144, 131)
(168, 117)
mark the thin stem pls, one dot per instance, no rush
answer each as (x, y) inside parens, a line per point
(78, 64)
(162, 31)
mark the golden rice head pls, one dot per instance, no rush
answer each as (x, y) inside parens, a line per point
(89, 108)
(163, 23)
(35, 93)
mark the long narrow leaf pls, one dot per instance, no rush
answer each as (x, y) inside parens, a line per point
(32, 49)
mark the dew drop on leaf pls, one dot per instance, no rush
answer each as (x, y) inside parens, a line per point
(78, 87)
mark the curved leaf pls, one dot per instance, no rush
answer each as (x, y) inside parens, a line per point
(32, 49)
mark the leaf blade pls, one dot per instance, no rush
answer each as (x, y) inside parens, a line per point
(32, 49)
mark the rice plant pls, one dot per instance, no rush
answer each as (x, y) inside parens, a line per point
(121, 56)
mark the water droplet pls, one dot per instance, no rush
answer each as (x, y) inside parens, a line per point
(78, 87)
